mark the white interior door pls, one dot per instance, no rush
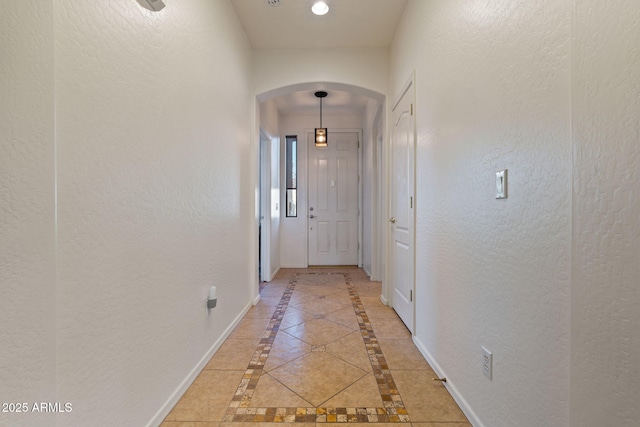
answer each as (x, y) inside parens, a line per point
(402, 208)
(333, 200)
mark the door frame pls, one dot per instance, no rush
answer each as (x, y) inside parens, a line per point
(378, 219)
(409, 85)
(264, 223)
(307, 132)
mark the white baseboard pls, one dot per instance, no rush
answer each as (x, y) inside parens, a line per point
(186, 383)
(450, 385)
(273, 274)
(384, 300)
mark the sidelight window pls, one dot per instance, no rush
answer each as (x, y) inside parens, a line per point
(291, 175)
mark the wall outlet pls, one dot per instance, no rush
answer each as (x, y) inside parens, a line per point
(487, 363)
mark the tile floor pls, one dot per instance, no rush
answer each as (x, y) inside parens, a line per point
(319, 348)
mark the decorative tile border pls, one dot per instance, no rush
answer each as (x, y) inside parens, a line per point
(393, 410)
(314, 415)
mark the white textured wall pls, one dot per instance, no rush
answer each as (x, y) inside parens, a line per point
(365, 68)
(293, 243)
(269, 117)
(155, 199)
(27, 238)
(605, 346)
(493, 92)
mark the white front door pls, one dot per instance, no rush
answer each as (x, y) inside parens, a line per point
(333, 200)
(402, 208)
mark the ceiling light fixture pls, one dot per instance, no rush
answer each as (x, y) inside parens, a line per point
(321, 133)
(320, 8)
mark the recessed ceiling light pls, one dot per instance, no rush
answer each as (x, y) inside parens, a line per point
(320, 8)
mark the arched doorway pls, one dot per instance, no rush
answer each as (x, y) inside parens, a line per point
(293, 111)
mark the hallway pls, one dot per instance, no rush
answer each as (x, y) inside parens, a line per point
(320, 347)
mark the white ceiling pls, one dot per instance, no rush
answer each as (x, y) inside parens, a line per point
(292, 25)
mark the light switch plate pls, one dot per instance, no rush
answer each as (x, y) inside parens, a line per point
(501, 184)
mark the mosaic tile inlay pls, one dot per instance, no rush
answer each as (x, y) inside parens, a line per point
(392, 411)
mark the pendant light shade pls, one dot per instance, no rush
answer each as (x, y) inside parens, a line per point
(321, 133)
(321, 137)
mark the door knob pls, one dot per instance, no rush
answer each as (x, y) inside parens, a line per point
(392, 220)
(312, 216)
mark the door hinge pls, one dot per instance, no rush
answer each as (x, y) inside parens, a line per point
(411, 202)
(412, 109)
(411, 296)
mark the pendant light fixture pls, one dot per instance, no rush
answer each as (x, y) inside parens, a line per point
(321, 133)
